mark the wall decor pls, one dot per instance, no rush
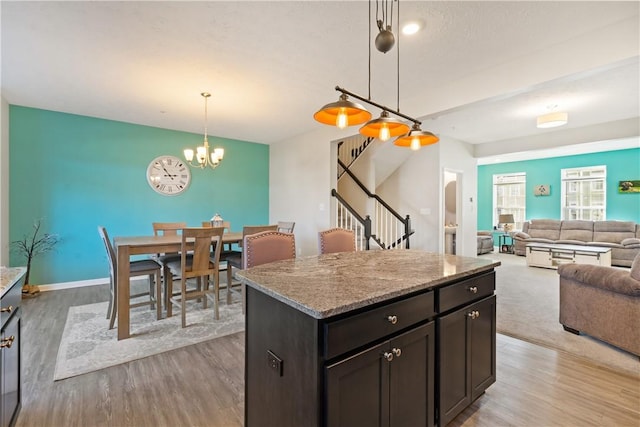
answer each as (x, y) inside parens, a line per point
(629, 186)
(542, 190)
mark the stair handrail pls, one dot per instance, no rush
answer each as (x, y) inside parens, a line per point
(369, 193)
(406, 221)
(363, 231)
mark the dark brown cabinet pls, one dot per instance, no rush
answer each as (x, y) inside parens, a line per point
(377, 364)
(467, 355)
(10, 378)
(396, 376)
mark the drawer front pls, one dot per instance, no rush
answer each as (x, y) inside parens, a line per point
(10, 302)
(465, 291)
(364, 328)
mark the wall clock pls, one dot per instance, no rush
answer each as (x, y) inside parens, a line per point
(168, 175)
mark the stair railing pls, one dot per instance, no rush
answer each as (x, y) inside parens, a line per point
(349, 149)
(389, 229)
(349, 219)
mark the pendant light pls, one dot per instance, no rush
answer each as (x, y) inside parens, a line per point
(384, 127)
(342, 113)
(345, 113)
(416, 138)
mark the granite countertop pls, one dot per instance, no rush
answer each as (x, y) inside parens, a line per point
(9, 276)
(326, 285)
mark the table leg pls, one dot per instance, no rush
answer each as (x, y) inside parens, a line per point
(123, 292)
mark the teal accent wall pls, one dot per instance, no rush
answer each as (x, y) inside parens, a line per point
(76, 172)
(621, 165)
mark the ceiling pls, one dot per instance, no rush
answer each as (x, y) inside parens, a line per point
(478, 71)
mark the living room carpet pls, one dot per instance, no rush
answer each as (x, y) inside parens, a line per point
(528, 309)
(88, 345)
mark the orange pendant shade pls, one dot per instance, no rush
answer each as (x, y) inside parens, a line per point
(342, 113)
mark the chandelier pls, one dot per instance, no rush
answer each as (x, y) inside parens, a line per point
(204, 157)
(344, 112)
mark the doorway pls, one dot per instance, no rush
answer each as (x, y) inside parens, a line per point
(451, 210)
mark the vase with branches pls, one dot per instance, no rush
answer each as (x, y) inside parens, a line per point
(32, 245)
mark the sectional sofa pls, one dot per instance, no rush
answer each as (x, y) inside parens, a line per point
(623, 237)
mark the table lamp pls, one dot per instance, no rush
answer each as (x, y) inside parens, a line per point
(507, 222)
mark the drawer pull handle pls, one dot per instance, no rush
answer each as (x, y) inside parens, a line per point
(388, 356)
(392, 319)
(7, 342)
(6, 309)
(396, 351)
(473, 314)
(473, 289)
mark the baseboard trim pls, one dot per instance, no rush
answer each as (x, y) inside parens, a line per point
(82, 284)
(72, 285)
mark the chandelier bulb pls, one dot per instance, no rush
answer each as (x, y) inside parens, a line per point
(415, 143)
(384, 133)
(342, 120)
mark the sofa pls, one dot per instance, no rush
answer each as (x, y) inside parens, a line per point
(485, 242)
(603, 302)
(623, 237)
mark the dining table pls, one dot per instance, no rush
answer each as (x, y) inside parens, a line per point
(126, 246)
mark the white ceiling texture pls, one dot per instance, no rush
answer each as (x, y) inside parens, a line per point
(478, 71)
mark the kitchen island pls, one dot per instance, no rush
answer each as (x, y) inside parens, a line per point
(401, 337)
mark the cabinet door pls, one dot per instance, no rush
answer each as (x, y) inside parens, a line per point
(455, 365)
(411, 378)
(357, 390)
(467, 356)
(10, 370)
(483, 346)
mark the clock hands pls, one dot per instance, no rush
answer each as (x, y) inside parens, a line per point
(168, 174)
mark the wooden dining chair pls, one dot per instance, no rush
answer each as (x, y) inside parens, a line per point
(336, 240)
(196, 262)
(167, 229)
(234, 258)
(286, 226)
(264, 247)
(144, 267)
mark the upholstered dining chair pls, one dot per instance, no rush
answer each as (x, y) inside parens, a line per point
(144, 267)
(264, 247)
(196, 262)
(234, 258)
(336, 240)
(286, 226)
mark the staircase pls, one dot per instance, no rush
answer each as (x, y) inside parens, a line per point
(380, 223)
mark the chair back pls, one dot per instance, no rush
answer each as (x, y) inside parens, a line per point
(167, 228)
(268, 246)
(336, 240)
(253, 229)
(225, 224)
(196, 247)
(286, 226)
(111, 254)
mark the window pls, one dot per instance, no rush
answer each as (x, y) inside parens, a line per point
(509, 197)
(584, 193)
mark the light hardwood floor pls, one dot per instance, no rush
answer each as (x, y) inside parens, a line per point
(202, 385)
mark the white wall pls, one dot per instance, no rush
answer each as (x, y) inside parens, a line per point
(300, 182)
(458, 157)
(414, 186)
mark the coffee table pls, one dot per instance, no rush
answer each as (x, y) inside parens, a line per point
(550, 255)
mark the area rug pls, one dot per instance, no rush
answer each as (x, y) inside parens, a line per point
(88, 345)
(528, 309)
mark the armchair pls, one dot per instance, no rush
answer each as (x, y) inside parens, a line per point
(602, 302)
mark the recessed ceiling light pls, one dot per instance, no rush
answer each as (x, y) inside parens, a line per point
(411, 28)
